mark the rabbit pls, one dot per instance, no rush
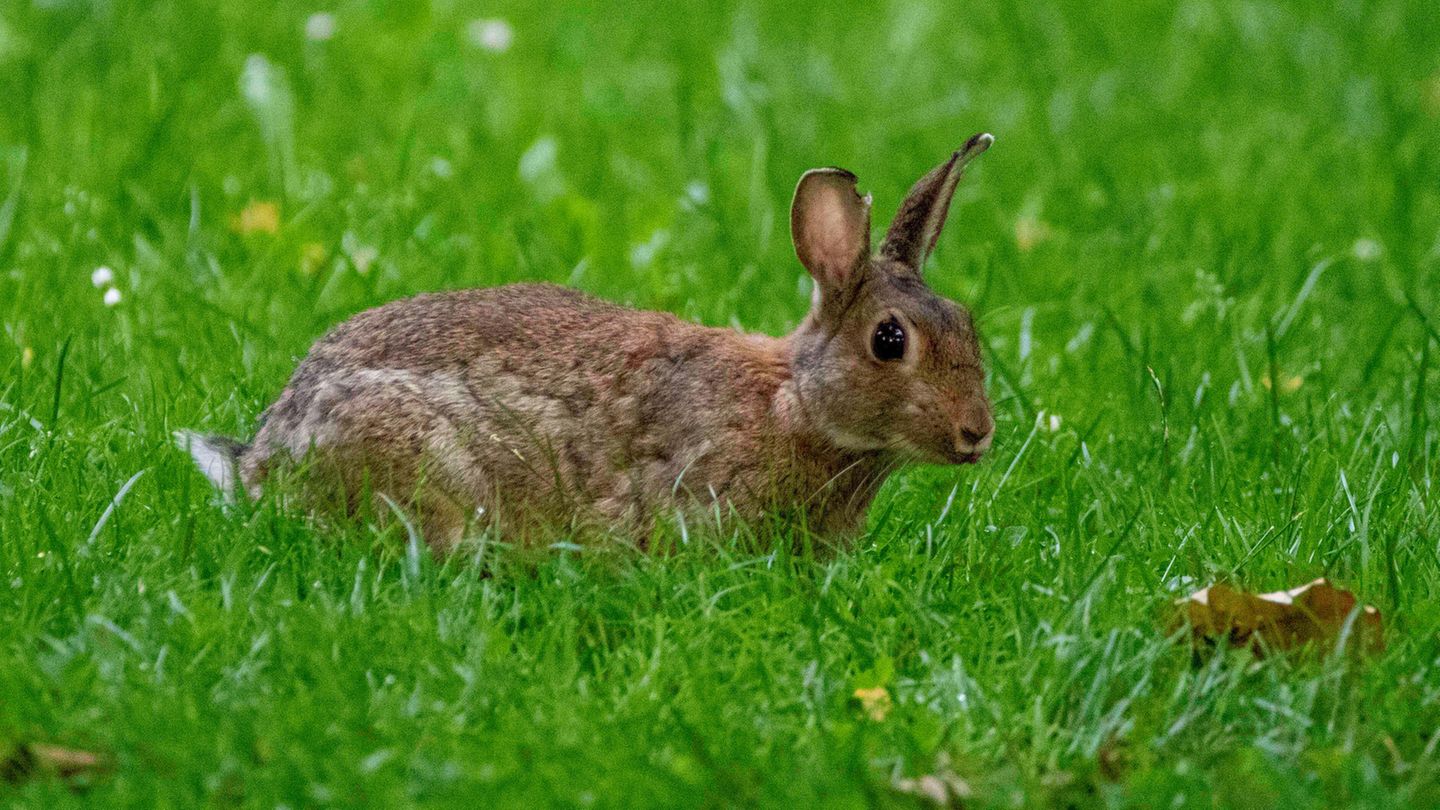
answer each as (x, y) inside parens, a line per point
(525, 407)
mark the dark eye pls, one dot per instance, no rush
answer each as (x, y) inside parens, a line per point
(888, 342)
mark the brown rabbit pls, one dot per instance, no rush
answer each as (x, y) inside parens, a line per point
(530, 406)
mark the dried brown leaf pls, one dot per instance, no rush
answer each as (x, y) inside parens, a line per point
(32, 760)
(1314, 612)
(943, 788)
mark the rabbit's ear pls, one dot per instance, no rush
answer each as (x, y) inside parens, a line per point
(917, 224)
(830, 224)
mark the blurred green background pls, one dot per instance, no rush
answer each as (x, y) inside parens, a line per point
(1203, 253)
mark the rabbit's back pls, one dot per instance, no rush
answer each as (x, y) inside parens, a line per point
(440, 330)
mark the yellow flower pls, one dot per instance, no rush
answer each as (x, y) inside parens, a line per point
(27, 357)
(312, 256)
(257, 217)
(875, 702)
(1288, 385)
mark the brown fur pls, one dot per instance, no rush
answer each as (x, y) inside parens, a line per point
(532, 406)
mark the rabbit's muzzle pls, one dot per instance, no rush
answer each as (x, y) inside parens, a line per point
(973, 436)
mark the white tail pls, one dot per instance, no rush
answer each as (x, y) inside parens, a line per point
(217, 458)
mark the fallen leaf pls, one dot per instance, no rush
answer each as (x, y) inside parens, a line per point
(258, 217)
(875, 702)
(1313, 612)
(31, 760)
(1112, 760)
(943, 788)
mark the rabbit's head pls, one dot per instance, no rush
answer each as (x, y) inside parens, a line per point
(882, 362)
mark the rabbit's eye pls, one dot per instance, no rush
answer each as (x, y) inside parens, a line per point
(888, 342)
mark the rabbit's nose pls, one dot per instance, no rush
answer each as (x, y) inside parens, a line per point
(973, 443)
(972, 436)
(976, 432)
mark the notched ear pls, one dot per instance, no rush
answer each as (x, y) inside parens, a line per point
(921, 217)
(830, 224)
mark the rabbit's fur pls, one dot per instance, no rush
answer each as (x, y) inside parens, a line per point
(530, 407)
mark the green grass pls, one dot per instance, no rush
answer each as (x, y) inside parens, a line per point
(1184, 202)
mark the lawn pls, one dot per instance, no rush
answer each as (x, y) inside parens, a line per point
(1203, 254)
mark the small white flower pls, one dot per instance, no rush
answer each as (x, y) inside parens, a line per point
(112, 297)
(1367, 250)
(364, 257)
(698, 192)
(258, 82)
(1049, 421)
(102, 277)
(495, 36)
(361, 255)
(320, 26)
(441, 168)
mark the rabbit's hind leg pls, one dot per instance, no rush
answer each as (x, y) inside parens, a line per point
(439, 520)
(382, 438)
